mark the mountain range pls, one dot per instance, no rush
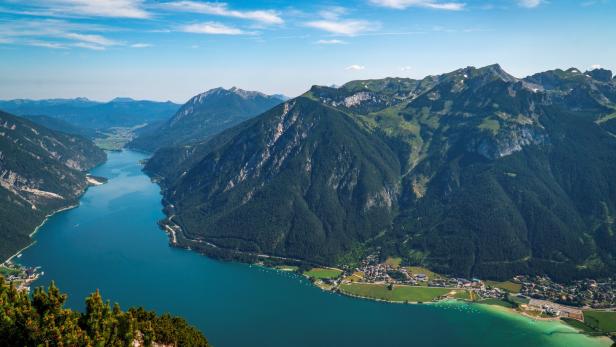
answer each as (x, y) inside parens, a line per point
(205, 115)
(472, 173)
(41, 171)
(88, 114)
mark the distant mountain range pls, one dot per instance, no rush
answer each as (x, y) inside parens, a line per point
(87, 114)
(41, 171)
(471, 173)
(205, 115)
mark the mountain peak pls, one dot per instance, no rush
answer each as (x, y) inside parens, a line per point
(497, 71)
(486, 73)
(220, 91)
(122, 99)
(600, 74)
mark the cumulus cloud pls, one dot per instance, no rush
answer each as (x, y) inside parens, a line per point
(355, 67)
(331, 42)
(212, 28)
(595, 66)
(530, 3)
(222, 9)
(435, 5)
(406, 68)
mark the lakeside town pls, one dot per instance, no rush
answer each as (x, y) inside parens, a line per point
(588, 305)
(20, 276)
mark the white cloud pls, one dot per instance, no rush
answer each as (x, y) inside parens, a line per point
(331, 42)
(212, 28)
(355, 67)
(222, 9)
(92, 39)
(45, 44)
(86, 45)
(406, 68)
(595, 66)
(529, 3)
(141, 45)
(53, 33)
(92, 8)
(331, 22)
(350, 27)
(435, 5)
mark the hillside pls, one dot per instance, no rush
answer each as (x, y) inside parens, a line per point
(84, 113)
(205, 115)
(58, 124)
(40, 171)
(42, 320)
(471, 173)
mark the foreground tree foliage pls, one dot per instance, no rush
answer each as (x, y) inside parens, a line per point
(42, 320)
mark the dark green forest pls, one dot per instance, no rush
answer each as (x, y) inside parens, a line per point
(41, 319)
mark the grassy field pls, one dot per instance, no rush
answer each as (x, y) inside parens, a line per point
(398, 293)
(422, 270)
(507, 285)
(355, 277)
(322, 273)
(116, 138)
(393, 262)
(604, 321)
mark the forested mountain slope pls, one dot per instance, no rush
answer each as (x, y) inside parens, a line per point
(40, 171)
(472, 173)
(205, 115)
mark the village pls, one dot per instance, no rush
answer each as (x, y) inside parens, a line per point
(20, 276)
(533, 296)
(588, 293)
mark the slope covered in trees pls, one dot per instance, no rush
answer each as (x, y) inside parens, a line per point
(42, 320)
(472, 173)
(205, 115)
(41, 171)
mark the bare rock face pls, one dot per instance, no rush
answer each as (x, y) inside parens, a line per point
(508, 143)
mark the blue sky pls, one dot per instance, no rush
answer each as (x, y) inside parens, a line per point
(171, 50)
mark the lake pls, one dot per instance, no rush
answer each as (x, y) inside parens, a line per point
(112, 242)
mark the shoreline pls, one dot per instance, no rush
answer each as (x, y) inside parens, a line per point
(173, 234)
(51, 214)
(493, 307)
(32, 242)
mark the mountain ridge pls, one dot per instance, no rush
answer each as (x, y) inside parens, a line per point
(41, 171)
(477, 155)
(205, 115)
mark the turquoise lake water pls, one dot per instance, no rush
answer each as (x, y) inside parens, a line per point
(112, 242)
